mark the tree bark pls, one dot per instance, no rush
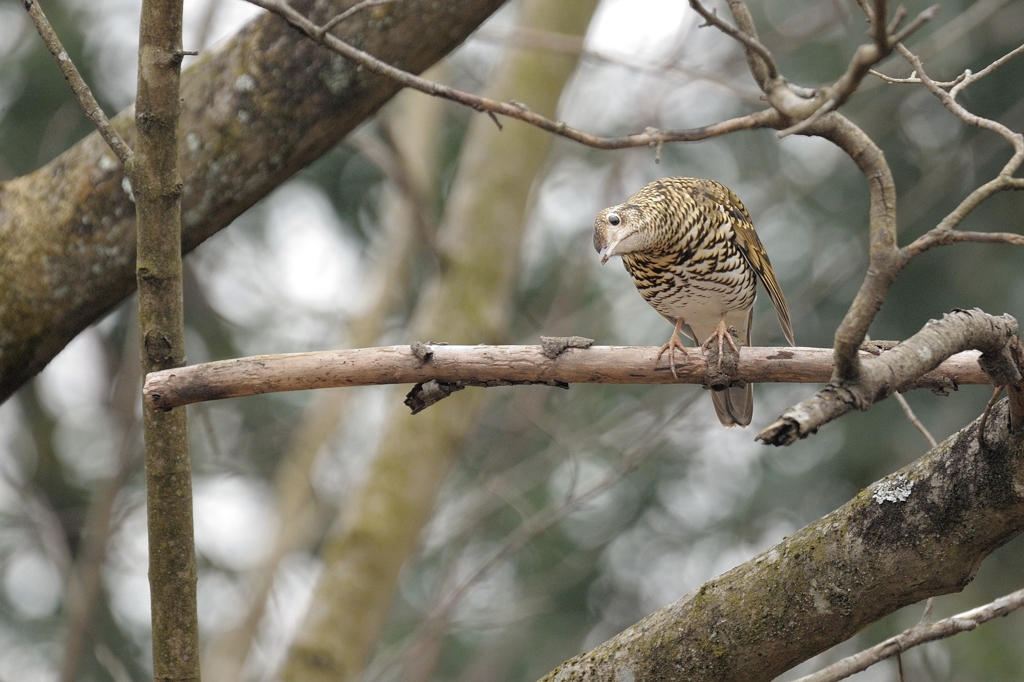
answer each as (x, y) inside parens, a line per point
(256, 109)
(482, 365)
(156, 186)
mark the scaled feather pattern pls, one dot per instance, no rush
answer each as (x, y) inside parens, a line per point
(690, 247)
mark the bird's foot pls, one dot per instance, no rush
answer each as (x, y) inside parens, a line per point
(671, 346)
(722, 335)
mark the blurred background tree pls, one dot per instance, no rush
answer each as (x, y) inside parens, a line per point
(561, 517)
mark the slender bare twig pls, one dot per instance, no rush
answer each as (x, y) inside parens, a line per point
(917, 635)
(749, 41)
(651, 137)
(78, 86)
(949, 101)
(983, 422)
(909, 411)
(967, 77)
(359, 6)
(944, 233)
(897, 19)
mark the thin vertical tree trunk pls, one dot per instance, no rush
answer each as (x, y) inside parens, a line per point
(156, 184)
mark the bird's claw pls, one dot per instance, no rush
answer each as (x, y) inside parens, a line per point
(722, 334)
(671, 346)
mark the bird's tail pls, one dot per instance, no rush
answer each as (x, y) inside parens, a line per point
(734, 406)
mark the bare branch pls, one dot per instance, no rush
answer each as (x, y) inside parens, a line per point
(897, 19)
(945, 237)
(78, 86)
(651, 137)
(879, 30)
(967, 78)
(909, 411)
(945, 232)
(920, 20)
(501, 365)
(803, 125)
(881, 376)
(359, 6)
(949, 101)
(749, 41)
(917, 635)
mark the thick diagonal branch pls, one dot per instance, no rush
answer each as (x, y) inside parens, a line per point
(881, 376)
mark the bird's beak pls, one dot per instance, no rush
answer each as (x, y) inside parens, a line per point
(614, 237)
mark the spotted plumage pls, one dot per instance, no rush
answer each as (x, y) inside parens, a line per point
(691, 249)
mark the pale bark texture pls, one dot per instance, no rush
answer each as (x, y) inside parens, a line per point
(479, 365)
(479, 247)
(919, 532)
(255, 110)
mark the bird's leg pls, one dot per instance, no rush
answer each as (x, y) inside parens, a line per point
(722, 335)
(673, 343)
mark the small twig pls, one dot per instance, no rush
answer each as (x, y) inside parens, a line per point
(917, 635)
(897, 18)
(944, 233)
(949, 101)
(766, 118)
(879, 30)
(349, 12)
(919, 21)
(966, 78)
(78, 86)
(984, 416)
(926, 616)
(909, 411)
(749, 41)
(803, 125)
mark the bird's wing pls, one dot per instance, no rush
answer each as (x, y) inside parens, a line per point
(750, 246)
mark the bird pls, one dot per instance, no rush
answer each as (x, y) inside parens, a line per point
(692, 252)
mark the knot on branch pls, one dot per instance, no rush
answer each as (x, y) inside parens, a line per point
(722, 361)
(427, 393)
(553, 346)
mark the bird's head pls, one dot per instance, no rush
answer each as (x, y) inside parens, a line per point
(618, 230)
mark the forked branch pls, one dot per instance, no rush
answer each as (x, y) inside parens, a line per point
(881, 376)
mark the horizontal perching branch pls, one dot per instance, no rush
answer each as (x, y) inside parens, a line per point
(552, 364)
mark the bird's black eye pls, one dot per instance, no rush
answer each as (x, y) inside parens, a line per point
(613, 219)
